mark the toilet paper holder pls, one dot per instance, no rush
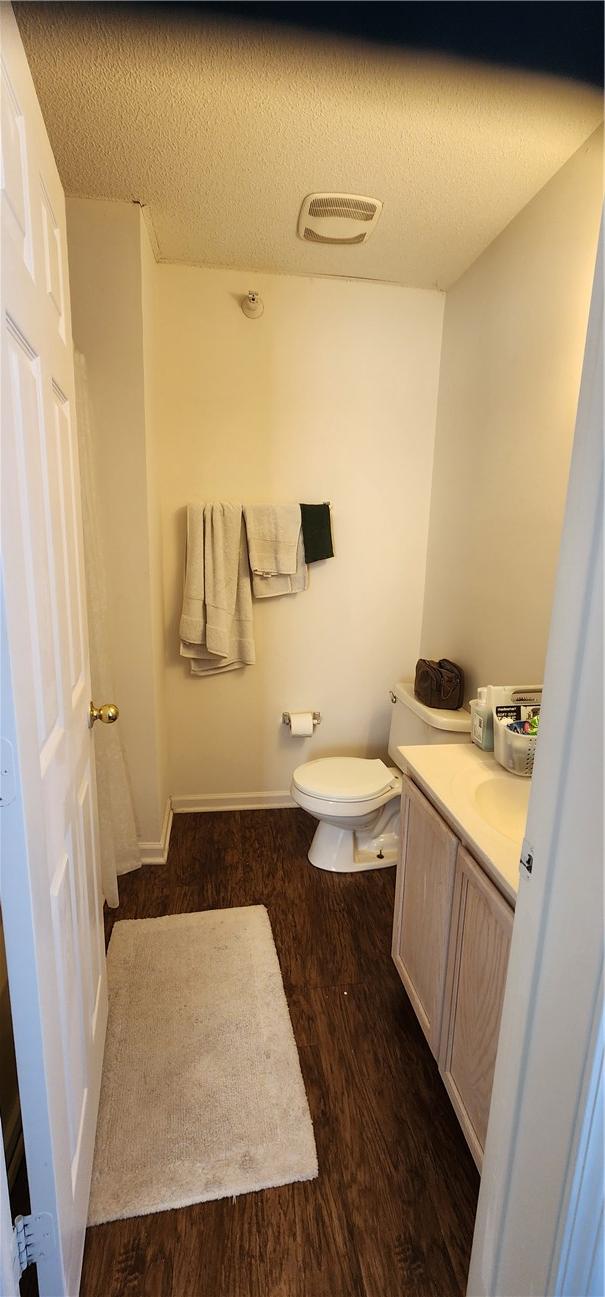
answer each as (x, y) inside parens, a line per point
(286, 719)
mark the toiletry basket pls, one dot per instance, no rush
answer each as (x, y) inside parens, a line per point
(514, 751)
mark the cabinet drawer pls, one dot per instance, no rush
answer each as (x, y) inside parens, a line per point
(423, 905)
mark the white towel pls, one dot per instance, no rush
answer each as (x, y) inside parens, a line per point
(273, 532)
(222, 549)
(193, 616)
(216, 622)
(267, 587)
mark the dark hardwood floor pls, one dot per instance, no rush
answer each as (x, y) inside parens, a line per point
(20, 1206)
(392, 1211)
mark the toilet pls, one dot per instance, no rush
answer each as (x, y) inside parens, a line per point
(356, 800)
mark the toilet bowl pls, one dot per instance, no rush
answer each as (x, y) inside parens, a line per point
(356, 801)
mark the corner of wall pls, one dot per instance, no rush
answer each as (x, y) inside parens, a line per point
(154, 521)
(109, 287)
(432, 477)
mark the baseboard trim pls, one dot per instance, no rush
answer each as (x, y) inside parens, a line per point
(231, 802)
(156, 853)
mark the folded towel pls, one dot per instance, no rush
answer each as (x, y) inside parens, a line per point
(317, 532)
(267, 587)
(193, 616)
(216, 622)
(222, 547)
(273, 531)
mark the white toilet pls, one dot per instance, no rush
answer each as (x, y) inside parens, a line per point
(356, 799)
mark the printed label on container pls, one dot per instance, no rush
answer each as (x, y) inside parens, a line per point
(478, 724)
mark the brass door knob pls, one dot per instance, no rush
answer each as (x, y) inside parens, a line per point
(107, 713)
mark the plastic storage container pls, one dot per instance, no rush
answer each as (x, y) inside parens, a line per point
(514, 751)
(482, 721)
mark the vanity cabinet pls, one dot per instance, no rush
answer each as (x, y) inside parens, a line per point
(479, 943)
(451, 938)
(423, 907)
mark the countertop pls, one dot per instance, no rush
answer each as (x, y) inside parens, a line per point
(450, 774)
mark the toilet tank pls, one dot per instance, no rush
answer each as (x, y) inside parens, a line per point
(413, 722)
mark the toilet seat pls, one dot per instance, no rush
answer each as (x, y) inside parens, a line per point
(348, 788)
(344, 779)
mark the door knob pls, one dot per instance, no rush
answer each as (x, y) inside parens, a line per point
(107, 713)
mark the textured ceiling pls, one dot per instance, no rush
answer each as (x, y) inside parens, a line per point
(220, 129)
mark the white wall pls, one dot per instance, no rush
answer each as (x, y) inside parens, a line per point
(513, 341)
(330, 396)
(109, 273)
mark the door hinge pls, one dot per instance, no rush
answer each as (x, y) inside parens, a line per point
(33, 1239)
(527, 858)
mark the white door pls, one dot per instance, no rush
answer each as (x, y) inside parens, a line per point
(49, 879)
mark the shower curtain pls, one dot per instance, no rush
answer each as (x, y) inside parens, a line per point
(117, 829)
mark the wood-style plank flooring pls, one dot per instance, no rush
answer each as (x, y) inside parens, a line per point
(391, 1213)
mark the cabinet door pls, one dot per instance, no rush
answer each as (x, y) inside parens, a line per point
(476, 974)
(423, 906)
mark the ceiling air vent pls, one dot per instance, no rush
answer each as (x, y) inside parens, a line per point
(338, 218)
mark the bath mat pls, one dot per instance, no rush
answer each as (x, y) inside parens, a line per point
(202, 1094)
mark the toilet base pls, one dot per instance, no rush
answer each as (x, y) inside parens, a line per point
(347, 851)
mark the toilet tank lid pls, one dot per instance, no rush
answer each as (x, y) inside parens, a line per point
(437, 717)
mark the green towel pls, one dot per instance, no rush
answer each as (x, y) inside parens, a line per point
(317, 532)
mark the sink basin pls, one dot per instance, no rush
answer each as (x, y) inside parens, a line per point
(502, 801)
(484, 805)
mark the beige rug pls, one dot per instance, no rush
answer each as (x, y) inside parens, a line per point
(202, 1094)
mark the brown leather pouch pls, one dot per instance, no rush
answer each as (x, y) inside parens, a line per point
(439, 684)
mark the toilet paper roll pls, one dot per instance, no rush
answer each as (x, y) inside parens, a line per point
(301, 723)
